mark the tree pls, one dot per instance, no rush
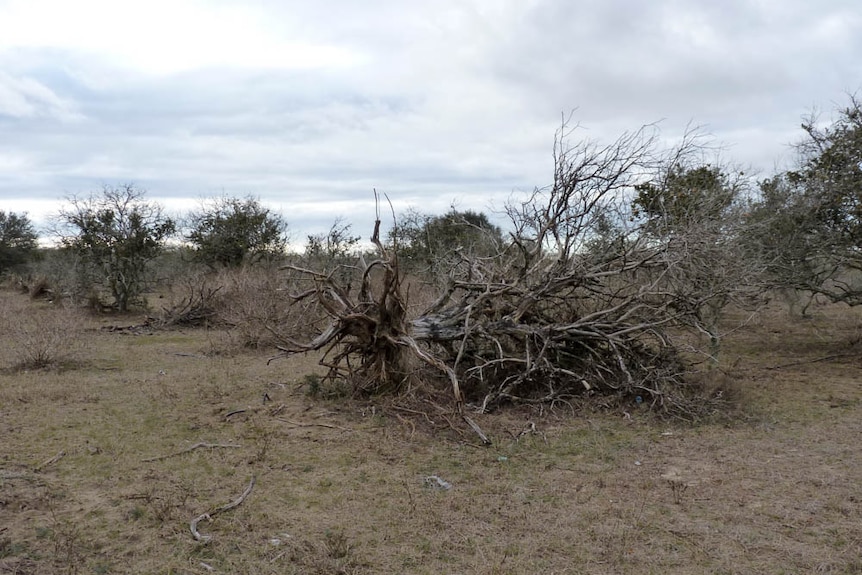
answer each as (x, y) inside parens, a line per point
(809, 220)
(333, 247)
(18, 240)
(115, 234)
(436, 245)
(684, 196)
(230, 232)
(547, 317)
(697, 212)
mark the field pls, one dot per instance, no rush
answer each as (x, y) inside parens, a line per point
(106, 458)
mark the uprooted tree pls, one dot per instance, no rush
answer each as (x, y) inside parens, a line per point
(575, 302)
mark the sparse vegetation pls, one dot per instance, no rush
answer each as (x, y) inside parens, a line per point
(39, 338)
(611, 448)
(341, 488)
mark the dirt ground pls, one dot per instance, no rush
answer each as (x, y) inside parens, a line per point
(106, 459)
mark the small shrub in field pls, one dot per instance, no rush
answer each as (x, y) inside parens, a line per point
(39, 287)
(318, 387)
(40, 338)
(255, 303)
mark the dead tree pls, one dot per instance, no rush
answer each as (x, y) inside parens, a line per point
(573, 304)
(367, 341)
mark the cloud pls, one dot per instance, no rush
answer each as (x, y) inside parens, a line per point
(27, 98)
(161, 37)
(310, 106)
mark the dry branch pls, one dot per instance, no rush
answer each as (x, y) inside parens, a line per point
(192, 448)
(193, 525)
(50, 461)
(299, 424)
(579, 302)
(475, 427)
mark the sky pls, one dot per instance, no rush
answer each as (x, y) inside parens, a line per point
(310, 106)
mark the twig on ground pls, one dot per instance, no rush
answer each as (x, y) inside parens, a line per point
(193, 525)
(299, 424)
(530, 429)
(192, 448)
(416, 411)
(408, 422)
(475, 427)
(815, 360)
(50, 461)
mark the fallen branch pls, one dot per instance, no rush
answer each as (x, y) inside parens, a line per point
(407, 422)
(815, 360)
(193, 525)
(299, 424)
(192, 448)
(475, 427)
(50, 461)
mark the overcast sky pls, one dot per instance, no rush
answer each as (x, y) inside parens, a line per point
(310, 105)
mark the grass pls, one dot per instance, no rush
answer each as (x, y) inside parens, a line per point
(341, 484)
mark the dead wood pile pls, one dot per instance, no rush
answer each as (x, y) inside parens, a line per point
(574, 303)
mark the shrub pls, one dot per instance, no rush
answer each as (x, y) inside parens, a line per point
(38, 338)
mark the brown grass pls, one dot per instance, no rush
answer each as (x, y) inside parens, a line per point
(341, 484)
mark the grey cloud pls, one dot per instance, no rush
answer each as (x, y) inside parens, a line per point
(447, 101)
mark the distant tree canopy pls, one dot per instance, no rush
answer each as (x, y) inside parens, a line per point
(333, 246)
(230, 232)
(808, 221)
(18, 240)
(435, 244)
(698, 212)
(115, 234)
(684, 196)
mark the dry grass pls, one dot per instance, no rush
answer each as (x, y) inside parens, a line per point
(341, 484)
(38, 335)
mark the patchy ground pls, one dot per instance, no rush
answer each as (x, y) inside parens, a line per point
(101, 470)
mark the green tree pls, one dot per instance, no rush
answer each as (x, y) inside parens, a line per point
(684, 196)
(435, 244)
(697, 214)
(809, 220)
(18, 240)
(115, 234)
(230, 232)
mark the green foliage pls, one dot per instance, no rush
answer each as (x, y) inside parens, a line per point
(17, 240)
(686, 196)
(698, 215)
(831, 174)
(435, 244)
(230, 232)
(808, 221)
(115, 234)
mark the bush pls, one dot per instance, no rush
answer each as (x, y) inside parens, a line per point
(250, 303)
(39, 338)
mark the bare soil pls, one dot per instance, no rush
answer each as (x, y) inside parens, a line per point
(101, 470)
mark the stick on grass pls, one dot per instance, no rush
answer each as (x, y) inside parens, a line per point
(193, 525)
(192, 448)
(50, 461)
